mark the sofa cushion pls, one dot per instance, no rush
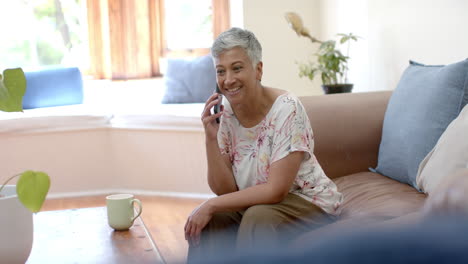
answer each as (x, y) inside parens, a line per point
(368, 194)
(423, 104)
(449, 155)
(189, 80)
(449, 197)
(370, 200)
(53, 87)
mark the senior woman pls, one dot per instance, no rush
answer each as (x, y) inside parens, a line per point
(261, 165)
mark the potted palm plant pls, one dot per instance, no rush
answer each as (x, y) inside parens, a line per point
(18, 202)
(332, 64)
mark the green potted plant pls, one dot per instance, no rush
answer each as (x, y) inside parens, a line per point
(332, 64)
(17, 203)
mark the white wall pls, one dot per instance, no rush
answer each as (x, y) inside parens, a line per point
(428, 31)
(349, 16)
(282, 48)
(393, 31)
(236, 9)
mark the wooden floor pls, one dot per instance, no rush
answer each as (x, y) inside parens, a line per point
(163, 216)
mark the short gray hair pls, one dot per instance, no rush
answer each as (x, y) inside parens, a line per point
(237, 37)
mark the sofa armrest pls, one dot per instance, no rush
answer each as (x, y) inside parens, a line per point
(347, 129)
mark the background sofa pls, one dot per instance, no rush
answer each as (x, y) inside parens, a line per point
(348, 131)
(388, 151)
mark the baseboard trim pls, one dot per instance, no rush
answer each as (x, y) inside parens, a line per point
(203, 196)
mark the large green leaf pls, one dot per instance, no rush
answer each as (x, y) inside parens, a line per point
(32, 188)
(12, 89)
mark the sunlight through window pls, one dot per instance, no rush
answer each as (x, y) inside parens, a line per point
(188, 24)
(43, 33)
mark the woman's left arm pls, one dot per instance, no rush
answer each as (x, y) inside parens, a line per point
(281, 177)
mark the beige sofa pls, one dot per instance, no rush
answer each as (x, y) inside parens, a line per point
(348, 129)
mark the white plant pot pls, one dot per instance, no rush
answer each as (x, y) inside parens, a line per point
(16, 228)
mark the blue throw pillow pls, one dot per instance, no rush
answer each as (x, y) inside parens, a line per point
(189, 80)
(423, 104)
(53, 87)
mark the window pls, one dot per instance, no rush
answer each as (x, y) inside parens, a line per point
(189, 27)
(127, 38)
(43, 33)
(188, 24)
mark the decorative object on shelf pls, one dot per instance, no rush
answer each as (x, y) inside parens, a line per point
(17, 203)
(337, 88)
(331, 64)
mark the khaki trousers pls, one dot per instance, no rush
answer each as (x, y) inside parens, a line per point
(260, 227)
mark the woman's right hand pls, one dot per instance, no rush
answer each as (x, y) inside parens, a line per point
(208, 119)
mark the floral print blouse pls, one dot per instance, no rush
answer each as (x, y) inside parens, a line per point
(285, 129)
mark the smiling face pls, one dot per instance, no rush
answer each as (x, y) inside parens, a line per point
(237, 79)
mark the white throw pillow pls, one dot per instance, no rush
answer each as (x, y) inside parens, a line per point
(449, 154)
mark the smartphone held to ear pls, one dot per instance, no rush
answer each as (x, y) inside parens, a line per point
(217, 107)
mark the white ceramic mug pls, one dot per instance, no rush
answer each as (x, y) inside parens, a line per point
(121, 212)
